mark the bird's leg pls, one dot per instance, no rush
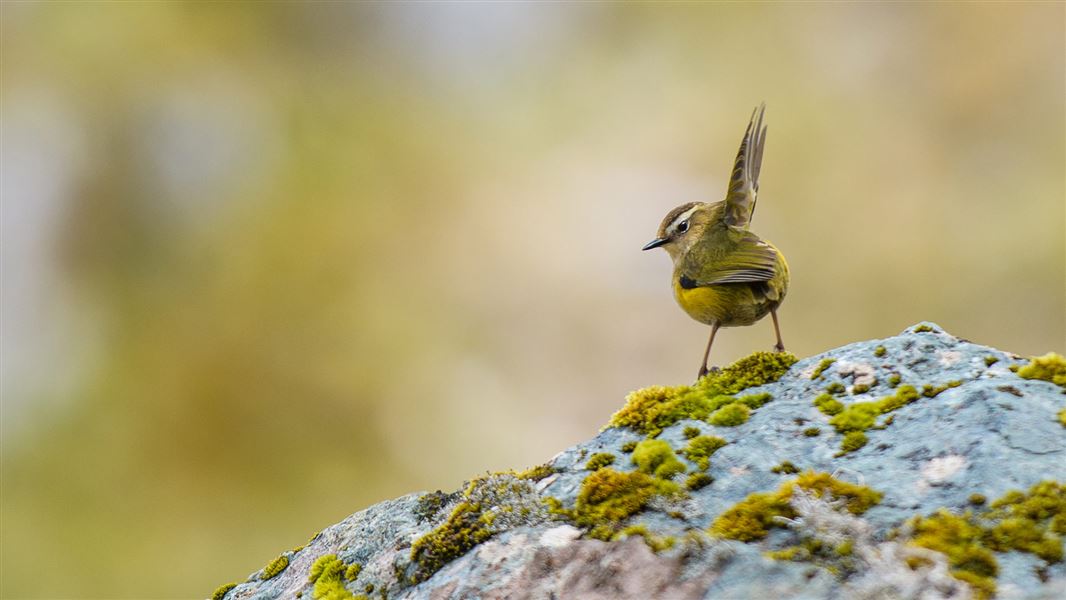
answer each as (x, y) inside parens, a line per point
(780, 346)
(707, 353)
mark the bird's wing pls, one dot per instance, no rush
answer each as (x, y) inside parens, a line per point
(744, 182)
(749, 260)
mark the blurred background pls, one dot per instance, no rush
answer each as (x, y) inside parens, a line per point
(267, 264)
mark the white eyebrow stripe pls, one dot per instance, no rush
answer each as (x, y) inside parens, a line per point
(681, 217)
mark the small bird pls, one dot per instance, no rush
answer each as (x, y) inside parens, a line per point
(724, 274)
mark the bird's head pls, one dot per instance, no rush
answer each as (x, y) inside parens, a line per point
(680, 228)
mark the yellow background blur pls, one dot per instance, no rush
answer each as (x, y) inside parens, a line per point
(265, 264)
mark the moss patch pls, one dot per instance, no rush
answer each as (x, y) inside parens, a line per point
(222, 590)
(327, 576)
(836, 388)
(599, 461)
(854, 419)
(353, 571)
(822, 366)
(691, 432)
(698, 481)
(275, 567)
(751, 518)
(1062, 417)
(879, 351)
(655, 542)
(465, 528)
(536, 473)
(1032, 522)
(608, 497)
(853, 440)
(700, 449)
(652, 409)
(785, 468)
(656, 457)
(488, 505)
(828, 405)
(1049, 367)
(730, 415)
(812, 432)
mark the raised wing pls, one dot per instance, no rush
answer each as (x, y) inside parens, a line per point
(744, 181)
(749, 260)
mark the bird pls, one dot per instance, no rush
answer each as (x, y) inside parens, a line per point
(724, 274)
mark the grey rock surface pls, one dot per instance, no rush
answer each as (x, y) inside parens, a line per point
(993, 433)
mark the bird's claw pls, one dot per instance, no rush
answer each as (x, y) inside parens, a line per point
(704, 371)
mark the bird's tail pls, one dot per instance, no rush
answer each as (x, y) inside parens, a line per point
(744, 182)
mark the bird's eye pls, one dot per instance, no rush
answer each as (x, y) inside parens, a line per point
(682, 227)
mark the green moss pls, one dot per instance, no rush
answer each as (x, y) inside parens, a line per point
(222, 590)
(608, 497)
(536, 473)
(656, 457)
(860, 388)
(730, 415)
(466, 527)
(836, 388)
(879, 351)
(751, 518)
(697, 481)
(369, 588)
(923, 328)
(1062, 417)
(894, 379)
(652, 409)
(700, 449)
(822, 366)
(629, 446)
(599, 460)
(785, 468)
(327, 576)
(853, 440)
(932, 391)
(655, 542)
(1030, 522)
(977, 499)
(754, 370)
(812, 432)
(904, 395)
(275, 567)
(754, 401)
(858, 416)
(959, 539)
(991, 360)
(1049, 367)
(828, 405)
(691, 432)
(353, 571)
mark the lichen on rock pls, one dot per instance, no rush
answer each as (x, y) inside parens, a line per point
(941, 474)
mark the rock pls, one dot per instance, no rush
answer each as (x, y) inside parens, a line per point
(800, 501)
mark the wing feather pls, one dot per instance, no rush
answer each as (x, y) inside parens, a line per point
(751, 260)
(744, 181)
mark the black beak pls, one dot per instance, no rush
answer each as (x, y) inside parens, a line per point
(655, 243)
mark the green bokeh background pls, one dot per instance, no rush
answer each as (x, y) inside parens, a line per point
(266, 264)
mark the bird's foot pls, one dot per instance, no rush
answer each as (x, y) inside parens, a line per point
(704, 371)
(779, 347)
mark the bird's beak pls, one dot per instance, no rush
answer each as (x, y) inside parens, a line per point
(655, 243)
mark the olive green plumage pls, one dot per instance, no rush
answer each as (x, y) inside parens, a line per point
(724, 274)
